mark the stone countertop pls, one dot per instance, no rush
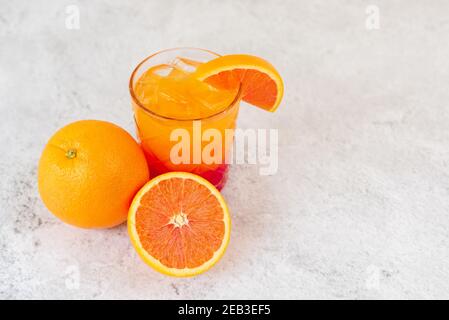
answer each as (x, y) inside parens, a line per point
(359, 207)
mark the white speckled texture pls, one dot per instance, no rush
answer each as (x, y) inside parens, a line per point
(360, 205)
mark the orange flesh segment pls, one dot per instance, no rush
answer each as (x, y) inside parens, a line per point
(257, 87)
(180, 223)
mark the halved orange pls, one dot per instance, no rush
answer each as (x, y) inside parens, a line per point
(179, 224)
(261, 84)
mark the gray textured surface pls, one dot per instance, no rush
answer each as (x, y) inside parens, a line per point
(360, 205)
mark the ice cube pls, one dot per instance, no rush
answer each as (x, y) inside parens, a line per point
(162, 70)
(185, 65)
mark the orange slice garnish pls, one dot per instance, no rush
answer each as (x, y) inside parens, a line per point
(261, 84)
(179, 224)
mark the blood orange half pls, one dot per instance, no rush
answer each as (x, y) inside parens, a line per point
(179, 224)
(261, 84)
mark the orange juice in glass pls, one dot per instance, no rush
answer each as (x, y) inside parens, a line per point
(167, 99)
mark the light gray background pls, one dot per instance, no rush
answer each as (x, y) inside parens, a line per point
(360, 205)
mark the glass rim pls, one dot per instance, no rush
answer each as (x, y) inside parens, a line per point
(234, 102)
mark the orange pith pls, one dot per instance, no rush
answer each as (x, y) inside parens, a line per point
(261, 84)
(179, 224)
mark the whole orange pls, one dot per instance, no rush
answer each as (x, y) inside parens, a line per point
(89, 173)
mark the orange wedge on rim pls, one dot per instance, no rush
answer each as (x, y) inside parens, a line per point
(179, 224)
(261, 84)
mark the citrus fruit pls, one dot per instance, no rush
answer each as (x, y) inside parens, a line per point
(89, 173)
(261, 84)
(179, 224)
